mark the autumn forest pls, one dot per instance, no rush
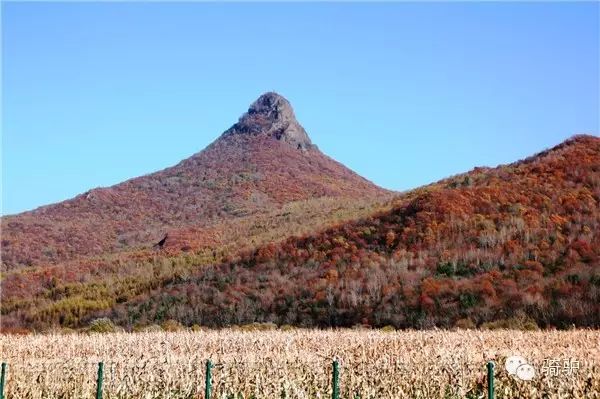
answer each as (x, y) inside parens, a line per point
(262, 227)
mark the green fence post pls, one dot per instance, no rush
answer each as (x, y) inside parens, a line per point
(335, 380)
(490, 379)
(99, 380)
(208, 380)
(2, 379)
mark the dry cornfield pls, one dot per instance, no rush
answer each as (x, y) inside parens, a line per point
(297, 364)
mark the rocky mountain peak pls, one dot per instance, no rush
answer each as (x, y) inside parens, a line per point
(272, 115)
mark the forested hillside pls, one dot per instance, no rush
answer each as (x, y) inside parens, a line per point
(263, 227)
(517, 241)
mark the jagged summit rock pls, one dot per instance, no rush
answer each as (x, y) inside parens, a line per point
(272, 115)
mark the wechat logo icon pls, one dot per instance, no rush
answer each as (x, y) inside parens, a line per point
(519, 367)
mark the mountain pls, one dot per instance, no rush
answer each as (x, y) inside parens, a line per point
(262, 227)
(260, 182)
(264, 161)
(517, 242)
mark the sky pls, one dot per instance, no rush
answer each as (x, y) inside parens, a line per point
(402, 93)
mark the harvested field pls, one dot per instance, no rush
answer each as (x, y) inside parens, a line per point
(298, 363)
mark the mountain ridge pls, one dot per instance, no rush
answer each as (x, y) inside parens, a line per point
(520, 241)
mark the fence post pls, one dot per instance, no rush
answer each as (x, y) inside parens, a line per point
(335, 380)
(99, 380)
(2, 380)
(490, 379)
(208, 380)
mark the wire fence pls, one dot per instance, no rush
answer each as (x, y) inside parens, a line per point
(205, 382)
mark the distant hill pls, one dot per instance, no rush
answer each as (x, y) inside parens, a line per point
(517, 242)
(262, 162)
(261, 181)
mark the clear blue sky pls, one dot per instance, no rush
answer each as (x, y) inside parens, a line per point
(404, 94)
